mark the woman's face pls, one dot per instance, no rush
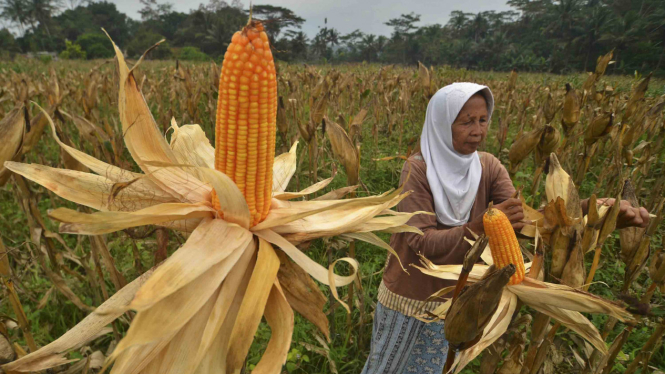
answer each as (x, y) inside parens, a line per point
(470, 126)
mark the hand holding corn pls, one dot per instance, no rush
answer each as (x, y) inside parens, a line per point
(512, 208)
(629, 216)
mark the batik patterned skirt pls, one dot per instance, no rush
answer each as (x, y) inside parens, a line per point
(403, 344)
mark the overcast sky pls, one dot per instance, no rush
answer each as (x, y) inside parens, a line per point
(348, 15)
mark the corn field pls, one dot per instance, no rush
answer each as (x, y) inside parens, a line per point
(355, 125)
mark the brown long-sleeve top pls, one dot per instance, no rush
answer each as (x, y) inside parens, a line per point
(441, 244)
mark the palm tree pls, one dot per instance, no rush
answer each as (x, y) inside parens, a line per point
(458, 21)
(657, 29)
(623, 31)
(591, 28)
(479, 26)
(565, 16)
(15, 11)
(40, 11)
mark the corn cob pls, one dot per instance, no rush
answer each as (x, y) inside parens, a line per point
(246, 118)
(571, 109)
(503, 243)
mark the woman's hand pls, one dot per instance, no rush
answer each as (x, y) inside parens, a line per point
(628, 216)
(512, 208)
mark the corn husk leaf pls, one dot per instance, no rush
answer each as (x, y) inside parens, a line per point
(337, 194)
(283, 169)
(231, 200)
(114, 173)
(473, 309)
(201, 251)
(576, 322)
(85, 331)
(571, 109)
(253, 306)
(533, 292)
(344, 150)
(524, 145)
(146, 143)
(98, 223)
(313, 268)
(280, 319)
(369, 237)
(307, 191)
(306, 220)
(630, 237)
(212, 354)
(191, 146)
(94, 191)
(12, 132)
(493, 331)
(302, 293)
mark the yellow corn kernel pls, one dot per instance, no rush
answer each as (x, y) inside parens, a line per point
(246, 118)
(503, 243)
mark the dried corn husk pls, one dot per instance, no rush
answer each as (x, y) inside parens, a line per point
(559, 185)
(589, 83)
(549, 141)
(425, 79)
(557, 301)
(344, 149)
(639, 258)
(549, 107)
(512, 80)
(630, 237)
(636, 97)
(514, 362)
(571, 109)
(592, 225)
(475, 306)
(12, 133)
(523, 146)
(574, 272)
(602, 62)
(656, 263)
(599, 127)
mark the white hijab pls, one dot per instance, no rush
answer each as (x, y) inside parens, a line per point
(453, 177)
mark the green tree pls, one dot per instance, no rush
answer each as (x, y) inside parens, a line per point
(191, 54)
(16, 12)
(8, 42)
(72, 51)
(145, 39)
(401, 41)
(276, 19)
(95, 45)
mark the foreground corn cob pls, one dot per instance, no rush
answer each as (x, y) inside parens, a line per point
(246, 118)
(503, 243)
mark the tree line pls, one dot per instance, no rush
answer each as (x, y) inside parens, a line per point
(557, 36)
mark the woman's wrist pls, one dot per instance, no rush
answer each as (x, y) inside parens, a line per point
(476, 225)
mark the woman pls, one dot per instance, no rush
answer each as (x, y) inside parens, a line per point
(450, 178)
